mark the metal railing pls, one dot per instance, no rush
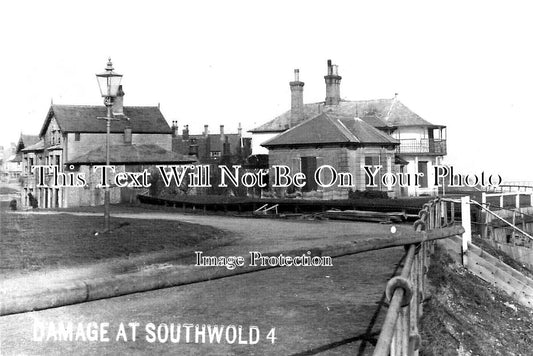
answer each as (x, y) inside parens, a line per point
(424, 145)
(406, 292)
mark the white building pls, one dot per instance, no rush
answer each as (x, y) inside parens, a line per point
(422, 144)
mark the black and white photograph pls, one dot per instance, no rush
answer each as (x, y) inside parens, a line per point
(266, 178)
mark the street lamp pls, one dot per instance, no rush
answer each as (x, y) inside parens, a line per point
(109, 83)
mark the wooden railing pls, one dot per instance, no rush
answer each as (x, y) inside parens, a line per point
(406, 292)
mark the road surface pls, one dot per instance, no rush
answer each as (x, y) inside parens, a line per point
(285, 311)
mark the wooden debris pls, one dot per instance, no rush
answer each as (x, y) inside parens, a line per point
(368, 216)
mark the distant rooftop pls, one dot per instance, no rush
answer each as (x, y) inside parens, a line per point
(132, 154)
(380, 113)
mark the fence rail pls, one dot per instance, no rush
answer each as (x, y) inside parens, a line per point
(406, 292)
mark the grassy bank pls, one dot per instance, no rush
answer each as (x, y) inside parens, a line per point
(33, 242)
(467, 316)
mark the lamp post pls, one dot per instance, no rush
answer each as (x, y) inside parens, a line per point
(109, 83)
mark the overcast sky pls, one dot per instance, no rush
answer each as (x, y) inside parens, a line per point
(464, 64)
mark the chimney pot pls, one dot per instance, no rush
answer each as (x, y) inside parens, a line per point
(206, 130)
(297, 99)
(333, 82)
(118, 102)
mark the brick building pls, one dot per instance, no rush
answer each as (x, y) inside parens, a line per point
(73, 139)
(212, 148)
(421, 143)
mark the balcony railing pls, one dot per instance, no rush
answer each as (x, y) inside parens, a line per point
(423, 146)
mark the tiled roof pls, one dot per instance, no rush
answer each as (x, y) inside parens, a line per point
(380, 113)
(216, 143)
(83, 118)
(132, 154)
(39, 146)
(28, 140)
(15, 158)
(328, 128)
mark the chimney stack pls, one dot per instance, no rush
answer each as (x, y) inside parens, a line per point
(226, 150)
(222, 133)
(297, 99)
(185, 133)
(175, 130)
(118, 102)
(239, 130)
(206, 130)
(333, 84)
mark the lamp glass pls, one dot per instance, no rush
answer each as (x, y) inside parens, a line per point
(109, 84)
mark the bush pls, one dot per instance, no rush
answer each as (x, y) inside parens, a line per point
(13, 204)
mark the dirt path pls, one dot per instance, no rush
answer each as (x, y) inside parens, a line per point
(314, 310)
(269, 234)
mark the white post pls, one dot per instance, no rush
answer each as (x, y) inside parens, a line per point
(517, 201)
(465, 220)
(501, 201)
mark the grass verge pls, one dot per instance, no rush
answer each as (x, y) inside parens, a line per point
(32, 242)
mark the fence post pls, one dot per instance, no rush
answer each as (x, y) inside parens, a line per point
(444, 212)
(452, 212)
(517, 201)
(465, 221)
(484, 222)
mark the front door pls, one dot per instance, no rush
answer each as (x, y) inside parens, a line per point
(309, 168)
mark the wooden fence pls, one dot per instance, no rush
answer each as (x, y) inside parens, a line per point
(399, 334)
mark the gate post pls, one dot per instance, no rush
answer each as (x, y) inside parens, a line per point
(465, 221)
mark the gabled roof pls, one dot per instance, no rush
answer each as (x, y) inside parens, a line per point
(83, 118)
(38, 146)
(132, 154)
(26, 141)
(328, 128)
(217, 144)
(380, 113)
(15, 158)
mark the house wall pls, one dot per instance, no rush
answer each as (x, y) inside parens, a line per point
(412, 169)
(52, 135)
(406, 133)
(347, 160)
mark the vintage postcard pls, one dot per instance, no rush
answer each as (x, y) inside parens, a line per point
(266, 178)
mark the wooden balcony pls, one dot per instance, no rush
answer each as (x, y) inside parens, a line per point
(424, 146)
